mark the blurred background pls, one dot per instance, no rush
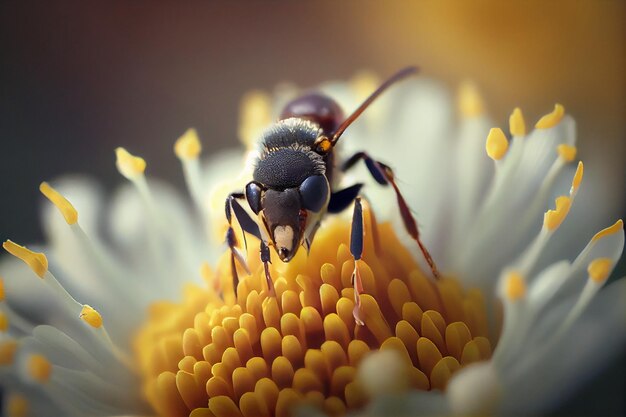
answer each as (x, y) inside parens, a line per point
(79, 79)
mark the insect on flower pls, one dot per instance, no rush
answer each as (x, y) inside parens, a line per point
(293, 185)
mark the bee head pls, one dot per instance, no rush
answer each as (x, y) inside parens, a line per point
(285, 213)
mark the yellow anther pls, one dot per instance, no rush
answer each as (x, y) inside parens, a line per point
(254, 116)
(91, 316)
(188, 146)
(2, 294)
(619, 225)
(7, 352)
(578, 177)
(551, 119)
(37, 262)
(17, 405)
(129, 165)
(497, 144)
(515, 286)
(39, 368)
(470, 101)
(364, 83)
(65, 207)
(567, 152)
(4, 322)
(599, 269)
(517, 125)
(552, 219)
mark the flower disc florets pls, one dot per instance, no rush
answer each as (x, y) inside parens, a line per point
(260, 355)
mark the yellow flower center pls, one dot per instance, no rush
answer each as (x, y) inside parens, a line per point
(254, 355)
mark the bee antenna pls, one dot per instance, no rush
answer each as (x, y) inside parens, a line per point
(390, 81)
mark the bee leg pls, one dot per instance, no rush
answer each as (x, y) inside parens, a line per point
(356, 249)
(384, 175)
(247, 224)
(340, 200)
(265, 258)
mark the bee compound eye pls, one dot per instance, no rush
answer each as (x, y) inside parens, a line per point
(314, 192)
(253, 196)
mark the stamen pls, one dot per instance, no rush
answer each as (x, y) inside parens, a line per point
(578, 177)
(517, 125)
(255, 111)
(496, 145)
(128, 165)
(599, 269)
(7, 351)
(512, 290)
(36, 261)
(553, 218)
(39, 368)
(17, 405)
(187, 149)
(618, 226)
(567, 152)
(470, 101)
(65, 207)
(133, 167)
(188, 146)
(39, 264)
(515, 286)
(551, 119)
(2, 294)
(91, 316)
(94, 253)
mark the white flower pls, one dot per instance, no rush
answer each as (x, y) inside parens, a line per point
(484, 204)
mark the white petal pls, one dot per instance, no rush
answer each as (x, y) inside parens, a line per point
(417, 403)
(539, 381)
(516, 209)
(474, 390)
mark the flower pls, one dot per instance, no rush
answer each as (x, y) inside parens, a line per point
(113, 323)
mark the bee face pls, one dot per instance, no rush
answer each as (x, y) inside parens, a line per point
(283, 215)
(286, 213)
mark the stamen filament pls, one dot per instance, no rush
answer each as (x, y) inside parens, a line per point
(159, 233)
(109, 269)
(187, 149)
(16, 321)
(513, 295)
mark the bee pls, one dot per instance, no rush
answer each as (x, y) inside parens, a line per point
(292, 183)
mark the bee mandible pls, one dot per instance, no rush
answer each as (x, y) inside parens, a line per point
(292, 186)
